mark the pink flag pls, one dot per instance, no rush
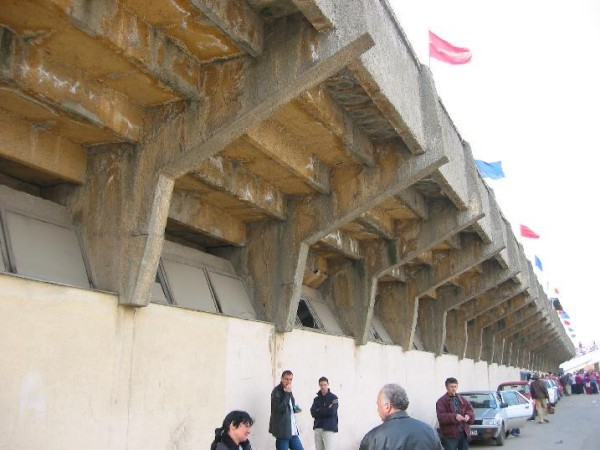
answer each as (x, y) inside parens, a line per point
(446, 52)
(528, 232)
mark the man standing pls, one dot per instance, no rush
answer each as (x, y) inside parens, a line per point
(398, 429)
(455, 414)
(282, 424)
(539, 392)
(324, 410)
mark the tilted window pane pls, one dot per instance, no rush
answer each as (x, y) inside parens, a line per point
(327, 317)
(189, 286)
(232, 296)
(45, 251)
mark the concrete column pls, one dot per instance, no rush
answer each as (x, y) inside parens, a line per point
(121, 212)
(456, 332)
(398, 313)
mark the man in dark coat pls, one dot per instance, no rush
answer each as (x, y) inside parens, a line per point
(398, 430)
(455, 414)
(539, 392)
(324, 410)
(282, 424)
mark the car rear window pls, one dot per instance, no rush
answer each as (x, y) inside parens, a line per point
(522, 388)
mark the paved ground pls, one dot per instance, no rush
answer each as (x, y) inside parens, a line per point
(574, 426)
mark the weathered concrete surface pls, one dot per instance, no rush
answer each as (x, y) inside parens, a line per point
(300, 140)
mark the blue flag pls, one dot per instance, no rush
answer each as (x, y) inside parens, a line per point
(538, 263)
(491, 170)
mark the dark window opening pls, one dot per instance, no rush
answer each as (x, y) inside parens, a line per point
(307, 316)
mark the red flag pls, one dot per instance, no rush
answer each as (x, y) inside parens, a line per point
(446, 52)
(528, 232)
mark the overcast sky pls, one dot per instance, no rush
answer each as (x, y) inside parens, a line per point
(530, 99)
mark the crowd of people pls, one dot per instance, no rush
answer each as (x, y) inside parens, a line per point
(398, 430)
(580, 382)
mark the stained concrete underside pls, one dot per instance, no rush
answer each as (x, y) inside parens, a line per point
(302, 140)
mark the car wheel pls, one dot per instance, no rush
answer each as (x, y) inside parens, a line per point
(500, 438)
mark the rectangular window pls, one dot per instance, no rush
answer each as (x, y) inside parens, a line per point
(189, 286)
(326, 316)
(197, 280)
(378, 332)
(307, 316)
(231, 295)
(159, 292)
(44, 250)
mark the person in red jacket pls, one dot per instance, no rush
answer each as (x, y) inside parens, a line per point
(454, 414)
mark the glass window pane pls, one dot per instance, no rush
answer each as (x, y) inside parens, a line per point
(381, 331)
(189, 286)
(157, 294)
(232, 296)
(45, 251)
(327, 317)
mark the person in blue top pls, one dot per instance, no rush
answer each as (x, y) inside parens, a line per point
(324, 410)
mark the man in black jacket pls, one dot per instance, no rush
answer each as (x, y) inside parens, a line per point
(398, 429)
(324, 410)
(282, 424)
(540, 393)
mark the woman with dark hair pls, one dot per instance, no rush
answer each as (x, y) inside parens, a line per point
(233, 434)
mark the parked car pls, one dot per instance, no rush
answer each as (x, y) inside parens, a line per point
(494, 417)
(553, 391)
(519, 409)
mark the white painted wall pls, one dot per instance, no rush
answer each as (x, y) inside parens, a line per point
(79, 372)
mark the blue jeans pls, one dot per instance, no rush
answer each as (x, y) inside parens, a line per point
(292, 443)
(461, 443)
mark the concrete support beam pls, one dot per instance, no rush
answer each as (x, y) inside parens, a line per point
(509, 306)
(456, 332)
(444, 269)
(420, 237)
(225, 176)
(530, 340)
(398, 314)
(187, 210)
(290, 154)
(493, 282)
(318, 103)
(342, 243)
(488, 337)
(512, 334)
(25, 67)
(122, 212)
(474, 340)
(415, 201)
(141, 45)
(265, 84)
(378, 222)
(314, 13)
(351, 286)
(452, 264)
(311, 218)
(429, 319)
(238, 20)
(513, 325)
(446, 220)
(496, 296)
(41, 150)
